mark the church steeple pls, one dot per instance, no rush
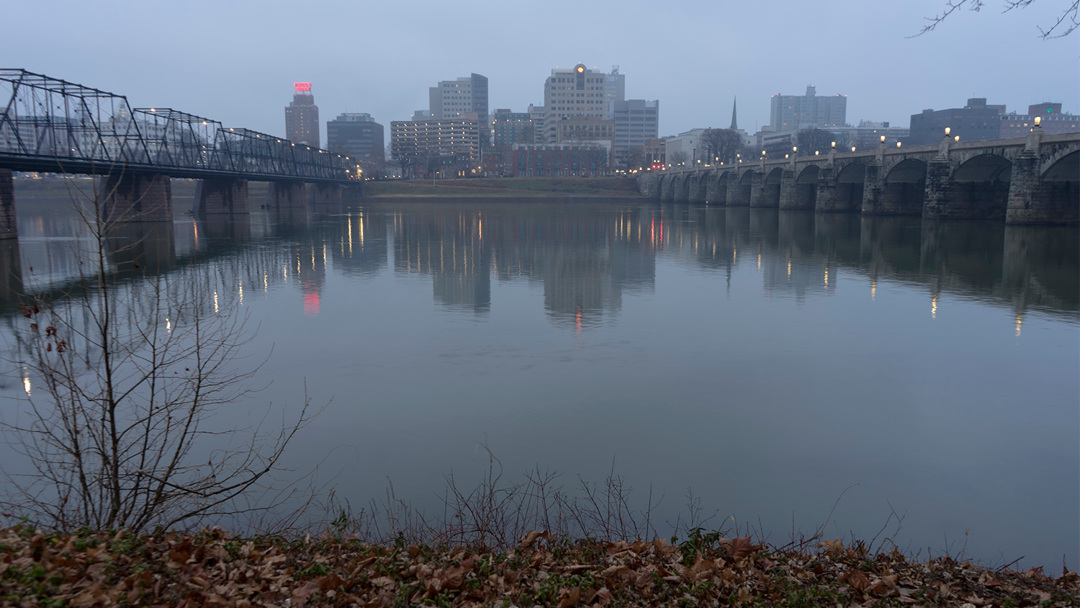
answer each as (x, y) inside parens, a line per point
(734, 123)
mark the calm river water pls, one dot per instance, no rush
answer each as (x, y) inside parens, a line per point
(765, 360)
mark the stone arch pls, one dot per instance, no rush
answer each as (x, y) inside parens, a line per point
(682, 187)
(696, 189)
(662, 188)
(806, 187)
(1060, 187)
(723, 188)
(903, 188)
(979, 187)
(667, 188)
(743, 189)
(850, 181)
(770, 188)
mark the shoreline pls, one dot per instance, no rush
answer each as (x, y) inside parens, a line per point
(212, 568)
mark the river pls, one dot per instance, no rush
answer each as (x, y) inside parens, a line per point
(764, 361)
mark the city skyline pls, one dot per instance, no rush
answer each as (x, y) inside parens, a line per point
(716, 53)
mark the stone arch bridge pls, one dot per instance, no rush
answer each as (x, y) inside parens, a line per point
(1027, 180)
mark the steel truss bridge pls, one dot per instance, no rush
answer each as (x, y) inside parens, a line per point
(51, 125)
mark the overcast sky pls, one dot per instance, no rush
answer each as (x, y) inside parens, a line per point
(236, 60)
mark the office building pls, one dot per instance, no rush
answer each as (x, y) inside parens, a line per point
(614, 88)
(355, 135)
(975, 121)
(512, 128)
(302, 116)
(1052, 121)
(573, 92)
(445, 146)
(458, 98)
(795, 112)
(636, 122)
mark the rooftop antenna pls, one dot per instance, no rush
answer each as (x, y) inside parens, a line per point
(614, 69)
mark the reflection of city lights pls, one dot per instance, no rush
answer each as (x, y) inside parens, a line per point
(789, 269)
(826, 277)
(26, 383)
(348, 230)
(285, 271)
(873, 289)
(933, 307)
(361, 231)
(241, 292)
(168, 325)
(734, 254)
(759, 260)
(215, 302)
(1019, 320)
(266, 282)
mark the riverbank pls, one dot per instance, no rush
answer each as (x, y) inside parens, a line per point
(515, 187)
(212, 568)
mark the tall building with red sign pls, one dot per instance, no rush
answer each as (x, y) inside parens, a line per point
(302, 116)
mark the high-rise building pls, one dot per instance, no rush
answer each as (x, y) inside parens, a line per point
(452, 145)
(302, 116)
(457, 98)
(357, 135)
(614, 89)
(794, 112)
(577, 92)
(511, 128)
(636, 121)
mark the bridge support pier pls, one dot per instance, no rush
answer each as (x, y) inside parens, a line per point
(789, 191)
(325, 194)
(287, 195)
(9, 228)
(1034, 199)
(351, 194)
(873, 189)
(221, 196)
(827, 199)
(936, 196)
(137, 198)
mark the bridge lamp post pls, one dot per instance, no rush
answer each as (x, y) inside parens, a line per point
(883, 139)
(947, 131)
(897, 144)
(957, 138)
(1038, 121)
(852, 148)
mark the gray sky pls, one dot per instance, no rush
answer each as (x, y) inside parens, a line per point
(236, 60)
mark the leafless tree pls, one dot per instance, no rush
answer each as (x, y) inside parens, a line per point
(127, 372)
(677, 158)
(813, 140)
(721, 145)
(1067, 21)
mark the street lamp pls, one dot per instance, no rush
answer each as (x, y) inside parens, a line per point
(957, 138)
(882, 139)
(947, 131)
(897, 144)
(1038, 120)
(852, 148)
(834, 144)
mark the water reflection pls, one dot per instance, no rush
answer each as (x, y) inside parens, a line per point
(585, 256)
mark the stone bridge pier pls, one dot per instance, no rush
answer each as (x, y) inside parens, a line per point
(221, 196)
(132, 197)
(9, 229)
(287, 195)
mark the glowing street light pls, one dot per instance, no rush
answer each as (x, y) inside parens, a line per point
(947, 131)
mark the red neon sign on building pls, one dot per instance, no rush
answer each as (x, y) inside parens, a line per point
(302, 87)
